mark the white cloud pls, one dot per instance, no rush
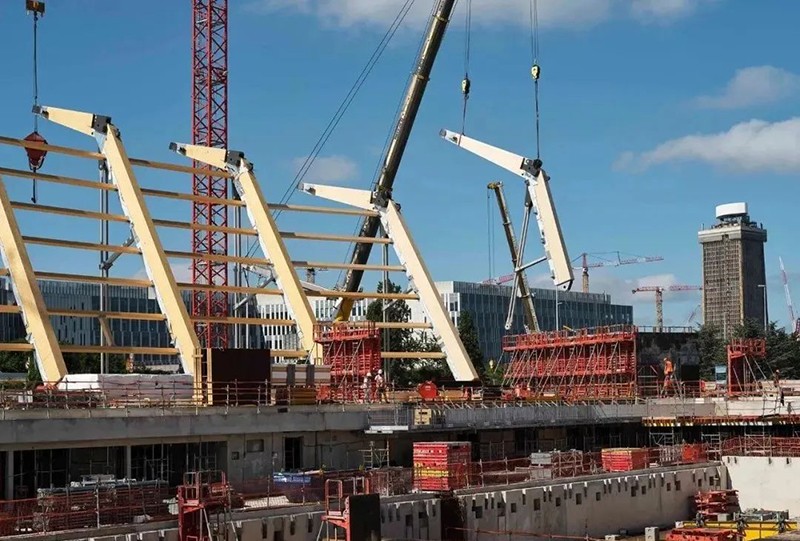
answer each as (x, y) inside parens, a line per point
(663, 10)
(755, 145)
(752, 86)
(347, 13)
(335, 169)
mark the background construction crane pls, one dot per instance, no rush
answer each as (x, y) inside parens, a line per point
(210, 128)
(794, 323)
(531, 322)
(394, 154)
(659, 291)
(604, 261)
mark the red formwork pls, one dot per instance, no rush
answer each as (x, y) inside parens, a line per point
(441, 466)
(744, 370)
(584, 364)
(352, 350)
(701, 534)
(625, 459)
(716, 502)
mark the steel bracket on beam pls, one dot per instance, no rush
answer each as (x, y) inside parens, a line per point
(143, 229)
(538, 186)
(269, 237)
(419, 277)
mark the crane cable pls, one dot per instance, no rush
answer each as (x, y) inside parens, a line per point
(535, 70)
(340, 111)
(466, 83)
(35, 157)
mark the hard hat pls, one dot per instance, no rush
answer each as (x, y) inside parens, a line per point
(380, 371)
(369, 374)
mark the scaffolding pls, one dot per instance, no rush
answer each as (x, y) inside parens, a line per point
(588, 364)
(204, 507)
(352, 350)
(744, 365)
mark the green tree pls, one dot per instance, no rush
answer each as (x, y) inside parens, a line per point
(469, 337)
(397, 311)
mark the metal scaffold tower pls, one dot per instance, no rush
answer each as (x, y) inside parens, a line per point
(585, 365)
(210, 128)
(352, 351)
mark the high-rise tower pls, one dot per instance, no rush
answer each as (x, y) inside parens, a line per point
(734, 277)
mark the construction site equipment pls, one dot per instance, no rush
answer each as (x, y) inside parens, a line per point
(744, 365)
(659, 291)
(210, 128)
(701, 534)
(616, 261)
(204, 507)
(588, 364)
(625, 459)
(716, 502)
(500, 279)
(391, 163)
(441, 466)
(794, 323)
(352, 351)
(538, 200)
(520, 276)
(397, 230)
(351, 508)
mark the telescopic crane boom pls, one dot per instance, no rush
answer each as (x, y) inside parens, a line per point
(394, 154)
(521, 278)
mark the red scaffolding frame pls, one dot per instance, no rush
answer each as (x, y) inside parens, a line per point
(351, 350)
(586, 364)
(744, 369)
(204, 506)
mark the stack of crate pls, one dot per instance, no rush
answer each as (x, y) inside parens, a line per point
(716, 502)
(625, 459)
(441, 466)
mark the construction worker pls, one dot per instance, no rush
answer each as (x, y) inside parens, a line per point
(669, 374)
(367, 387)
(380, 384)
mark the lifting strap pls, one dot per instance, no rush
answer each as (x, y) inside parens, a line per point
(535, 70)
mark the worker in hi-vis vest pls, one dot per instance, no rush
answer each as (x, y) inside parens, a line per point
(669, 373)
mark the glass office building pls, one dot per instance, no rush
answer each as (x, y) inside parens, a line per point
(488, 306)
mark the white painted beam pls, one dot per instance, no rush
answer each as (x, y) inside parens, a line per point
(38, 327)
(269, 237)
(417, 272)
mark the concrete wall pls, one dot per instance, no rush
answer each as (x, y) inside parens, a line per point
(407, 517)
(593, 506)
(765, 483)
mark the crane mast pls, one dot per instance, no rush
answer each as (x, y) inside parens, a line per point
(394, 154)
(531, 322)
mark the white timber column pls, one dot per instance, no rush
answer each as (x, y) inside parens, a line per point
(143, 229)
(38, 327)
(269, 237)
(417, 272)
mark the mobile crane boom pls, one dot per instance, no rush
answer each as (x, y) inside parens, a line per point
(394, 154)
(521, 278)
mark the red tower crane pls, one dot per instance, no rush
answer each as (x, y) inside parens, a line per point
(210, 128)
(659, 290)
(616, 261)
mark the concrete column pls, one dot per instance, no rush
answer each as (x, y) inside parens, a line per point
(9, 492)
(128, 462)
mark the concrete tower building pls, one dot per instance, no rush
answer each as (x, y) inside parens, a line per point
(734, 277)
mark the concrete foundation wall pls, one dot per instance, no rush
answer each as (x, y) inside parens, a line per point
(593, 506)
(406, 517)
(765, 482)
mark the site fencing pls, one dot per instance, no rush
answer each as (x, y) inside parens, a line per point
(761, 445)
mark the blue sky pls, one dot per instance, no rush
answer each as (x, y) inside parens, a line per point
(623, 84)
